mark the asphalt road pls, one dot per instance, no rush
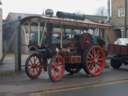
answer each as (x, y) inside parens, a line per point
(111, 83)
(119, 88)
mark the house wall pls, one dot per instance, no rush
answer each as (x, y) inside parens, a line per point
(118, 21)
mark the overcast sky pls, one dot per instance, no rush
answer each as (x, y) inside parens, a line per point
(38, 6)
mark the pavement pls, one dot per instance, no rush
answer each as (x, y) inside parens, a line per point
(9, 63)
(14, 84)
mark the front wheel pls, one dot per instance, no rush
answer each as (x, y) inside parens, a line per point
(56, 68)
(94, 60)
(33, 66)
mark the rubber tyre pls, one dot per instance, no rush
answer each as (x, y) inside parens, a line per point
(30, 63)
(55, 73)
(115, 63)
(72, 69)
(93, 60)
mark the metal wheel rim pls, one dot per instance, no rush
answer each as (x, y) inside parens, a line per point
(57, 68)
(34, 66)
(95, 61)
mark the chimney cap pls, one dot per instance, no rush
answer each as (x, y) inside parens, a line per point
(49, 12)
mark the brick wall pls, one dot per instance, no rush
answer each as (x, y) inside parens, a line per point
(117, 21)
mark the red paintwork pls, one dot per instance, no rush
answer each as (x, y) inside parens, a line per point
(33, 66)
(57, 69)
(118, 49)
(73, 59)
(95, 61)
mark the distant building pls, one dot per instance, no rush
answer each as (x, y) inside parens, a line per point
(12, 16)
(9, 30)
(118, 17)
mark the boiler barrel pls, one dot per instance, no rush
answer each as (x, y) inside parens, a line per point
(70, 15)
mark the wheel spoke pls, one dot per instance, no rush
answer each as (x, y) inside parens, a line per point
(33, 66)
(91, 66)
(91, 61)
(35, 59)
(33, 70)
(56, 70)
(30, 61)
(90, 56)
(95, 61)
(94, 52)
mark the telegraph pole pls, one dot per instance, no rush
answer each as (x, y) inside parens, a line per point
(18, 47)
(125, 20)
(1, 33)
(109, 4)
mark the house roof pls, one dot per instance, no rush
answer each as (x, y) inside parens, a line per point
(65, 22)
(12, 16)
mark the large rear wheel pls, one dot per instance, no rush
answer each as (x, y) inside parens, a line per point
(33, 66)
(56, 68)
(94, 60)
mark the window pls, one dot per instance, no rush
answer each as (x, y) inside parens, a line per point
(121, 12)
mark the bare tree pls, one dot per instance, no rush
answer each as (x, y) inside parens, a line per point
(101, 11)
(0, 2)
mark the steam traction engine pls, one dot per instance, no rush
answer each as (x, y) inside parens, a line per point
(63, 44)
